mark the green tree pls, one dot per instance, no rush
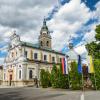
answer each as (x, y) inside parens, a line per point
(54, 76)
(45, 78)
(58, 79)
(75, 77)
(94, 50)
(97, 74)
(94, 47)
(98, 33)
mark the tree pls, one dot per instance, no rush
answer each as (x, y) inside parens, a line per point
(75, 77)
(94, 50)
(58, 79)
(97, 74)
(97, 36)
(45, 78)
(54, 76)
(94, 47)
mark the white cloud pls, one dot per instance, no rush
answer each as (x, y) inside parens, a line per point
(26, 16)
(97, 12)
(89, 36)
(67, 21)
(23, 16)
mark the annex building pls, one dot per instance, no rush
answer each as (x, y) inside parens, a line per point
(24, 61)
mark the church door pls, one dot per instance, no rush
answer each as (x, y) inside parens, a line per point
(10, 79)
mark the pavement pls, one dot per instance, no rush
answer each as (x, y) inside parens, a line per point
(32, 93)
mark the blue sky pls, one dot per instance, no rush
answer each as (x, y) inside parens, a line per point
(65, 18)
(91, 5)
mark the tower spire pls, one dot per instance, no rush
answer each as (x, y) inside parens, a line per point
(44, 21)
(45, 37)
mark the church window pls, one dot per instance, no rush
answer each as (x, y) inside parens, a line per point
(35, 56)
(45, 57)
(41, 43)
(4, 76)
(20, 74)
(19, 65)
(53, 59)
(25, 53)
(30, 74)
(16, 53)
(47, 43)
(12, 54)
(60, 59)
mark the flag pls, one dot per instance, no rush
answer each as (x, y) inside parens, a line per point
(62, 61)
(79, 64)
(64, 66)
(91, 67)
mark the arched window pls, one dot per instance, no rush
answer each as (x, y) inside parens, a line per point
(41, 43)
(20, 74)
(47, 43)
(12, 54)
(30, 74)
(26, 54)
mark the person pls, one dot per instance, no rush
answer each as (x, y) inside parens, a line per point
(36, 82)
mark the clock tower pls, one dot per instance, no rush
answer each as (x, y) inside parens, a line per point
(45, 37)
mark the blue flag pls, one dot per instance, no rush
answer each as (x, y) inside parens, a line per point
(79, 64)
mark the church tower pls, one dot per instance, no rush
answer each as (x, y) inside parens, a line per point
(45, 37)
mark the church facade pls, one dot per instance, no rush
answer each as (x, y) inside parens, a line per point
(24, 60)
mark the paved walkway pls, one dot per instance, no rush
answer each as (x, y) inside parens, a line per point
(32, 93)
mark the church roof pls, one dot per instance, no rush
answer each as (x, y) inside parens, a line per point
(37, 46)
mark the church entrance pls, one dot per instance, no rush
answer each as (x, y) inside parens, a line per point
(10, 71)
(10, 79)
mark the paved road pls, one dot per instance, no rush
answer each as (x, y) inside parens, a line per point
(31, 93)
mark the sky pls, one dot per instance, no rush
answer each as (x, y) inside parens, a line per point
(67, 20)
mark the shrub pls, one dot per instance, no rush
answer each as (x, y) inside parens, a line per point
(58, 79)
(97, 74)
(75, 77)
(45, 78)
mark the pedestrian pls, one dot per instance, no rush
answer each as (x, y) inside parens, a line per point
(36, 82)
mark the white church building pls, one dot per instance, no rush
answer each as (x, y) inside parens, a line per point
(24, 61)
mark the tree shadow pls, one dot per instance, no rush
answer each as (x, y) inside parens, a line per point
(11, 96)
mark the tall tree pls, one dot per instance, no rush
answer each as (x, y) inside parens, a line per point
(98, 33)
(75, 77)
(94, 47)
(94, 50)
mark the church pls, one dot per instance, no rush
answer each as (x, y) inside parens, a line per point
(24, 60)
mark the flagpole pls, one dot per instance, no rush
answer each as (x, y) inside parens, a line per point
(82, 77)
(94, 73)
(95, 81)
(68, 71)
(83, 90)
(82, 82)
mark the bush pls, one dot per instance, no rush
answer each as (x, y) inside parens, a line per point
(45, 78)
(58, 80)
(75, 77)
(54, 77)
(97, 74)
